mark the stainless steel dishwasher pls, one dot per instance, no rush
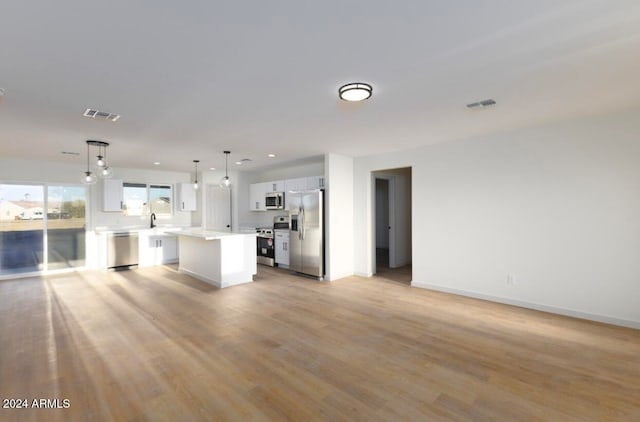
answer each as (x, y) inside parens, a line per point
(122, 250)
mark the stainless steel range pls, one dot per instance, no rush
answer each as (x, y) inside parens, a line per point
(265, 247)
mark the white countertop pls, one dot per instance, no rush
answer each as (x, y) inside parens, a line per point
(138, 229)
(209, 234)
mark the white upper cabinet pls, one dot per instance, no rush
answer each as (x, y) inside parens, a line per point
(112, 191)
(315, 182)
(257, 192)
(277, 186)
(295, 184)
(187, 198)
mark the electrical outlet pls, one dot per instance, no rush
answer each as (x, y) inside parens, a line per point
(511, 280)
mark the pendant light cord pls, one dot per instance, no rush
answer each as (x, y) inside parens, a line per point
(88, 158)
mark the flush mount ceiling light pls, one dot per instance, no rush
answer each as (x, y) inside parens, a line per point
(195, 183)
(225, 182)
(355, 91)
(271, 155)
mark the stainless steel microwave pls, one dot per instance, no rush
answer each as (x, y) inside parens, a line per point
(274, 200)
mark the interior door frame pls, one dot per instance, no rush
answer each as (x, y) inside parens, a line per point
(392, 219)
(208, 208)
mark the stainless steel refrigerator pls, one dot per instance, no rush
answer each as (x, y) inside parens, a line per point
(306, 232)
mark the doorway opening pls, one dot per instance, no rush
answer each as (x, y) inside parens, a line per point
(392, 224)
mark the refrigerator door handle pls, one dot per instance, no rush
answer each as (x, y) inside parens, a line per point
(299, 223)
(301, 231)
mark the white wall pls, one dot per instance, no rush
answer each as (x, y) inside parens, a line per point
(32, 171)
(339, 216)
(556, 208)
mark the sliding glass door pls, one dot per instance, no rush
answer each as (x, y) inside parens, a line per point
(41, 228)
(65, 227)
(21, 229)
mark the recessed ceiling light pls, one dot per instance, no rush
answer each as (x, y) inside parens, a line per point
(156, 163)
(239, 163)
(271, 155)
(212, 168)
(355, 91)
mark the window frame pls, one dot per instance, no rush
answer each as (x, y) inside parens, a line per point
(146, 208)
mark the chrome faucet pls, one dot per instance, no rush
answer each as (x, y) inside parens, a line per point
(153, 220)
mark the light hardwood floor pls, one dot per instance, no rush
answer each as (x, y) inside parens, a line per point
(154, 345)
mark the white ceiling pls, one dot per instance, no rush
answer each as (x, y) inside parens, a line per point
(193, 78)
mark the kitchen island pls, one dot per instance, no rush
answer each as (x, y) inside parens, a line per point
(220, 258)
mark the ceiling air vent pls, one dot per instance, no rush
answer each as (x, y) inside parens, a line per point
(481, 104)
(97, 114)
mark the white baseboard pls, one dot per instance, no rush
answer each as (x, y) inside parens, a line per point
(333, 276)
(531, 305)
(200, 277)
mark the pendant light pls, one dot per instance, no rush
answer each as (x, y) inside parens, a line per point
(195, 183)
(100, 162)
(225, 182)
(105, 172)
(89, 178)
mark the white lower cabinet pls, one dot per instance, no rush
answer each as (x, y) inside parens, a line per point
(158, 249)
(282, 247)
